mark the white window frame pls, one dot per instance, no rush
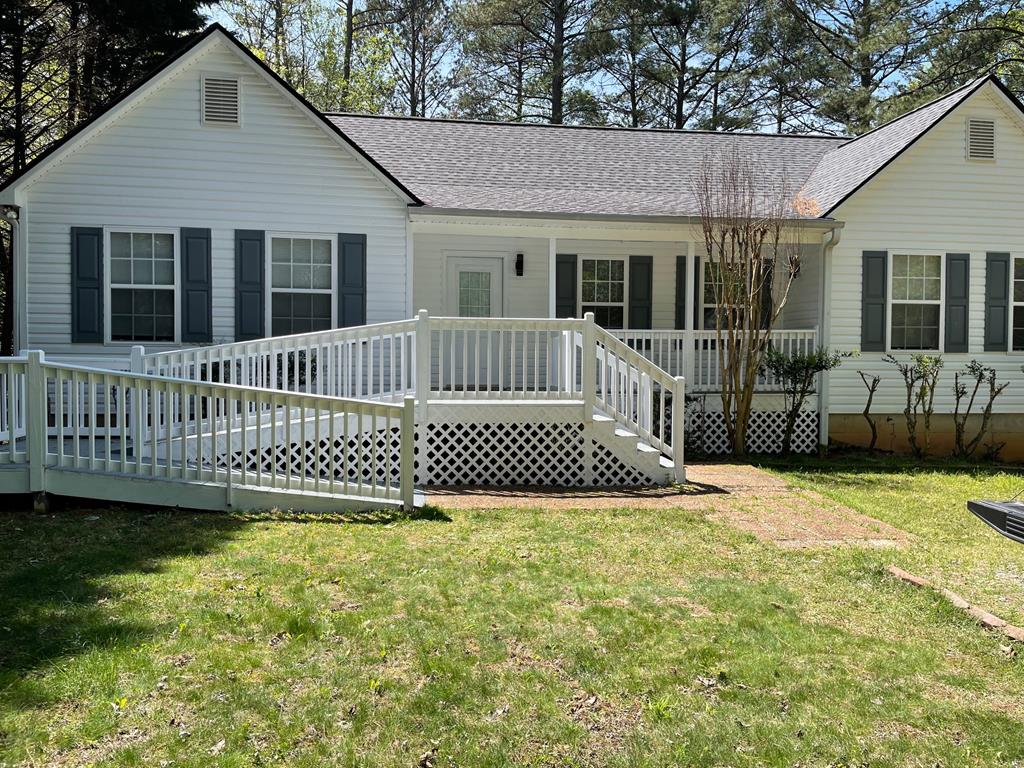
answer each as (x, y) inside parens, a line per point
(625, 286)
(1014, 258)
(203, 76)
(941, 301)
(108, 283)
(704, 262)
(268, 318)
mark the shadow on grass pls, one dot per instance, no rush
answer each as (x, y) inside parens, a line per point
(54, 592)
(53, 600)
(854, 464)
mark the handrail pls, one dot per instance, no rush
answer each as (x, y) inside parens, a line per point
(235, 436)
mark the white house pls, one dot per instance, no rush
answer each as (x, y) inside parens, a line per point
(213, 205)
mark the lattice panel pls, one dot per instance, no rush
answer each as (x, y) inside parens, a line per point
(610, 471)
(503, 454)
(369, 445)
(764, 432)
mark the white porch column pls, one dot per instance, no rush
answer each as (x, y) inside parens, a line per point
(552, 258)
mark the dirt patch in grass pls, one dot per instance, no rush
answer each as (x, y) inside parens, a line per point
(740, 495)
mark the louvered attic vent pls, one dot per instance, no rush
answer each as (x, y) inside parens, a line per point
(981, 140)
(220, 101)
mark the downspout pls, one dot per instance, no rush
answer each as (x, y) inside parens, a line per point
(11, 214)
(830, 240)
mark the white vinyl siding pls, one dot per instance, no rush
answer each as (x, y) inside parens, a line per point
(157, 166)
(931, 199)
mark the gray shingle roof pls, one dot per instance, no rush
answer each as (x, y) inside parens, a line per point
(569, 170)
(845, 168)
(529, 168)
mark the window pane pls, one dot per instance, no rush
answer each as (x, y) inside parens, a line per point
(302, 276)
(142, 245)
(933, 266)
(601, 292)
(120, 245)
(321, 276)
(588, 292)
(280, 276)
(916, 266)
(900, 288)
(163, 272)
(143, 302)
(121, 301)
(915, 326)
(120, 271)
(301, 251)
(163, 245)
(617, 270)
(163, 302)
(321, 251)
(589, 269)
(933, 289)
(900, 266)
(617, 292)
(602, 270)
(142, 272)
(280, 250)
(1018, 328)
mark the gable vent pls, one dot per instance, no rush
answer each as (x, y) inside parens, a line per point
(981, 140)
(220, 101)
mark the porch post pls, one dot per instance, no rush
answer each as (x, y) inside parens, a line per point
(35, 421)
(588, 372)
(679, 429)
(407, 454)
(423, 367)
(552, 258)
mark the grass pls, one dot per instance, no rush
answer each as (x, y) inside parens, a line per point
(494, 638)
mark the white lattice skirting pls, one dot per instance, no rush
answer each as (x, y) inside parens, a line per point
(705, 432)
(511, 453)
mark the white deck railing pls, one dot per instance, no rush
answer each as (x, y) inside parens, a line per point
(454, 359)
(695, 354)
(207, 438)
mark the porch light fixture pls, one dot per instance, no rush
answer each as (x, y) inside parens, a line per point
(10, 213)
(519, 265)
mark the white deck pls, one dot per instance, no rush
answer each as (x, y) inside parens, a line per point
(337, 419)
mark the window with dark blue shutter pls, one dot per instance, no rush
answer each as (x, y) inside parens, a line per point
(196, 286)
(250, 284)
(680, 323)
(87, 284)
(958, 275)
(351, 279)
(997, 302)
(873, 298)
(565, 285)
(641, 288)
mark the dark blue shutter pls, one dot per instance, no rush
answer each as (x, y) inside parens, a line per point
(250, 284)
(86, 284)
(958, 277)
(565, 285)
(196, 286)
(680, 292)
(698, 300)
(351, 280)
(997, 302)
(872, 302)
(641, 289)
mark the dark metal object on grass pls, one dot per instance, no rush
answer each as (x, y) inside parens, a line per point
(1007, 517)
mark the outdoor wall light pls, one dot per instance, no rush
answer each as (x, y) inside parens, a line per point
(10, 212)
(519, 265)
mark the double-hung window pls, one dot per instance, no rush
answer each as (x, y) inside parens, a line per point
(301, 283)
(1017, 292)
(714, 293)
(142, 285)
(916, 312)
(603, 290)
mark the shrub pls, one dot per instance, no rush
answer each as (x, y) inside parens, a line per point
(796, 374)
(980, 375)
(920, 377)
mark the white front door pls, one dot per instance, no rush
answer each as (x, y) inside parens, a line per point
(474, 287)
(469, 358)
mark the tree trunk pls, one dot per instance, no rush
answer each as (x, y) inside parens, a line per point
(346, 61)
(558, 63)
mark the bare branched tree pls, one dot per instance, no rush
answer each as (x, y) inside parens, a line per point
(750, 227)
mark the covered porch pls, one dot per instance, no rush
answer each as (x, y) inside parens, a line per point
(648, 284)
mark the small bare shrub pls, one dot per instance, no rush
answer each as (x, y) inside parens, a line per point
(921, 377)
(872, 387)
(978, 375)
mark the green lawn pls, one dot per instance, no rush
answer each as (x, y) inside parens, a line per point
(510, 638)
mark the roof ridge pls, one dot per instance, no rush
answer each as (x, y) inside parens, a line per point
(619, 128)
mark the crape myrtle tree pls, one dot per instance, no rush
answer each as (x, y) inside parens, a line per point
(751, 234)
